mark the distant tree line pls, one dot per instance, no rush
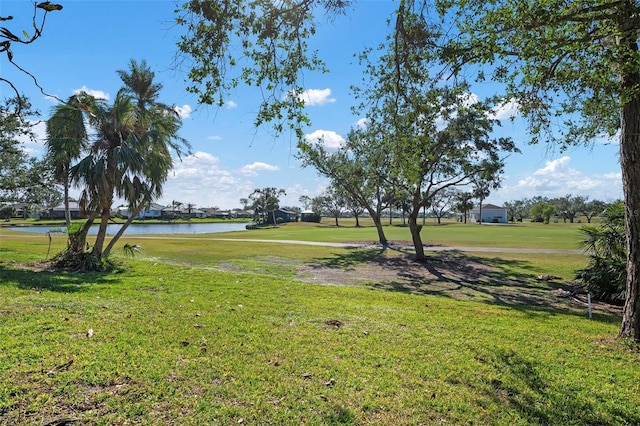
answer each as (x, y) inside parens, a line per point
(24, 179)
(566, 208)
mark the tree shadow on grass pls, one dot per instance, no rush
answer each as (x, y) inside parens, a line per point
(521, 384)
(352, 259)
(456, 275)
(58, 281)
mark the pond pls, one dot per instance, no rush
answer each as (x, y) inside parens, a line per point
(147, 228)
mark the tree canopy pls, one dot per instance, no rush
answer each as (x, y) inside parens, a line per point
(23, 178)
(573, 68)
(255, 42)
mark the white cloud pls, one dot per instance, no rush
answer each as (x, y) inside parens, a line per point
(612, 176)
(557, 175)
(468, 99)
(329, 138)
(184, 111)
(200, 179)
(253, 169)
(561, 165)
(362, 123)
(313, 97)
(215, 138)
(558, 178)
(507, 110)
(34, 147)
(231, 104)
(98, 94)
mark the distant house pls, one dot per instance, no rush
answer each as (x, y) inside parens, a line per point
(24, 211)
(152, 211)
(170, 212)
(282, 215)
(239, 213)
(490, 214)
(191, 214)
(58, 211)
(216, 213)
(309, 216)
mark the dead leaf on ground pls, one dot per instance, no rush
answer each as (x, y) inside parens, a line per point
(60, 367)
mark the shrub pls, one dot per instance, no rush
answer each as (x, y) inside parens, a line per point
(605, 275)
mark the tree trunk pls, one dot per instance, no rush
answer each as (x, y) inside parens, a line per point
(105, 215)
(381, 237)
(123, 228)
(357, 220)
(376, 216)
(415, 236)
(67, 212)
(630, 165)
(337, 224)
(78, 241)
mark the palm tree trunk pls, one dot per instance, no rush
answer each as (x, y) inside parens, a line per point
(78, 241)
(67, 212)
(105, 215)
(123, 228)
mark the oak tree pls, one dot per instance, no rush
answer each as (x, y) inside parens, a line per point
(573, 67)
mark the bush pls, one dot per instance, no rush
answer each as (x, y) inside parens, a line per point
(606, 275)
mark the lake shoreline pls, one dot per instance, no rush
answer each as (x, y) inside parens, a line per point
(139, 228)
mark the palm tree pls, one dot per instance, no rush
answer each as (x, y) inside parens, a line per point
(130, 157)
(157, 128)
(66, 139)
(113, 155)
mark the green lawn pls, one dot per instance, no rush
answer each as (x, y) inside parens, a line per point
(175, 340)
(529, 235)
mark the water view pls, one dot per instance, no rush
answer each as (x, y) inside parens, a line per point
(146, 228)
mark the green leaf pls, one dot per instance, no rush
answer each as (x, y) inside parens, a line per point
(48, 6)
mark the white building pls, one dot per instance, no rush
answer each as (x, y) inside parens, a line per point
(490, 214)
(152, 211)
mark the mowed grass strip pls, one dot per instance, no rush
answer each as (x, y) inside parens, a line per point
(520, 235)
(174, 344)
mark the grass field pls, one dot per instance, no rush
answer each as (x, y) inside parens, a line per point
(201, 331)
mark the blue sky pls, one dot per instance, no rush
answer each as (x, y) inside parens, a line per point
(84, 44)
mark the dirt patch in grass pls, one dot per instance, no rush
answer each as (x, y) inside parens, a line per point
(453, 275)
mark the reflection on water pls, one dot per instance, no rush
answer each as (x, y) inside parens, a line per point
(146, 228)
